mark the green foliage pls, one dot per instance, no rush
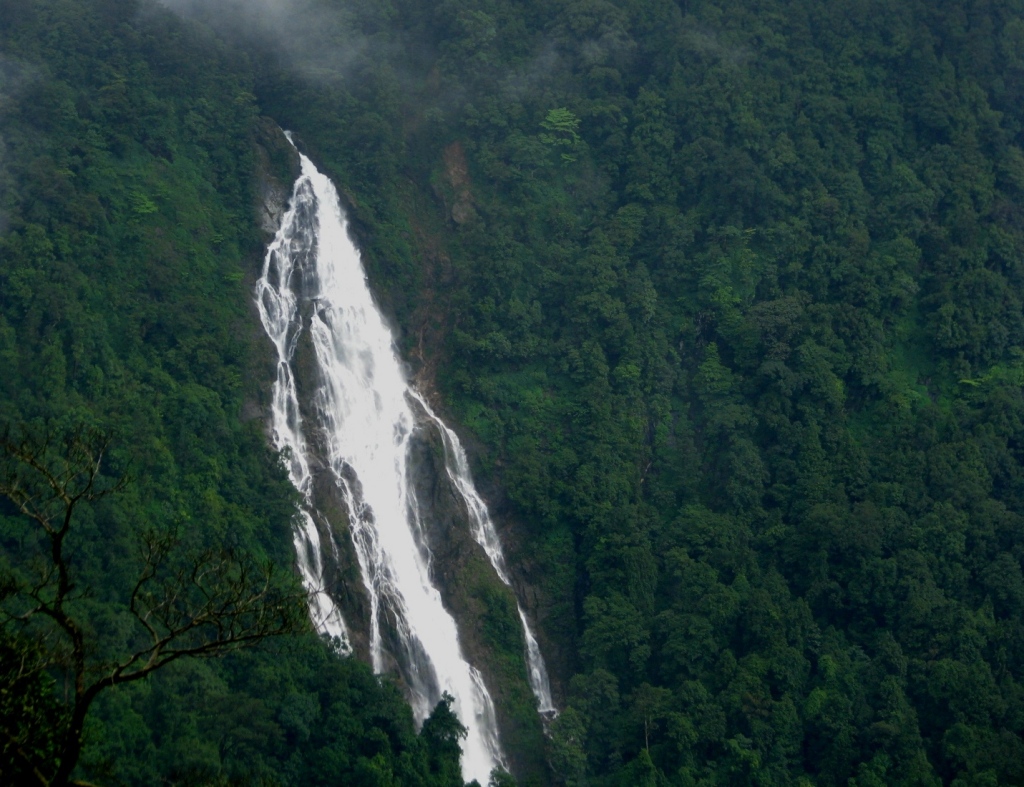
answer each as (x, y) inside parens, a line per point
(128, 245)
(441, 734)
(561, 130)
(30, 707)
(747, 372)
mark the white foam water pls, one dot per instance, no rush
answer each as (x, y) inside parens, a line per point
(362, 415)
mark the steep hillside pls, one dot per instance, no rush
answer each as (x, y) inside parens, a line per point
(725, 297)
(130, 145)
(730, 296)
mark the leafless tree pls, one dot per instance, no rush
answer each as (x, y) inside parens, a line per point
(183, 603)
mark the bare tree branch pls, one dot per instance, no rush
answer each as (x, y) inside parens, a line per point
(186, 604)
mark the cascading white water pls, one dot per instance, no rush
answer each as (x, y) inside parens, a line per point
(361, 405)
(279, 310)
(484, 533)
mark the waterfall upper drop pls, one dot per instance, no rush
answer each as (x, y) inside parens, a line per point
(361, 415)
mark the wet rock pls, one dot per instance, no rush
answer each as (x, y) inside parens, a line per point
(277, 167)
(483, 606)
(456, 191)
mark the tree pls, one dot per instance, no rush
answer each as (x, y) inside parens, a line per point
(502, 778)
(30, 710)
(442, 732)
(561, 130)
(182, 604)
(568, 748)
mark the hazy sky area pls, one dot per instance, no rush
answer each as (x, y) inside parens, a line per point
(321, 44)
(13, 78)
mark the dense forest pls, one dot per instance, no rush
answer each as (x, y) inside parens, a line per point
(726, 297)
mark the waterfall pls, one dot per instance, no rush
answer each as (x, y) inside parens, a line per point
(279, 310)
(484, 533)
(313, 298)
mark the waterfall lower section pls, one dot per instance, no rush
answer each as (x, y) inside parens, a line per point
(352, 429)
(484, 533)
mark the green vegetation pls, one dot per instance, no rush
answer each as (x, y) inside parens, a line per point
(729, 295)
(128, 243)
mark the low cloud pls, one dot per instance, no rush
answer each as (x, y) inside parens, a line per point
(15, 77)
(319, 41)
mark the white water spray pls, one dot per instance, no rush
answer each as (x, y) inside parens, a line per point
(485, 534)
(314, 289)
(279, 311)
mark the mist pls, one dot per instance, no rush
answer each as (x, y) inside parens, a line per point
(15, 77)
(319, 42)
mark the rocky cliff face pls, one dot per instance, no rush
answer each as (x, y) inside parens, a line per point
(484, 608)
(277, 167)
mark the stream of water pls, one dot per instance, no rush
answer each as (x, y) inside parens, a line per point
(314, 299)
